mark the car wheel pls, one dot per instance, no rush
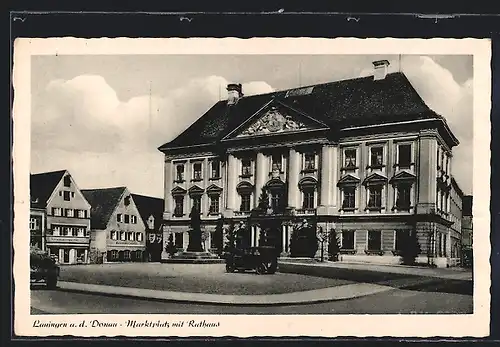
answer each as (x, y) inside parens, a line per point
(52, 282)
(229, 268)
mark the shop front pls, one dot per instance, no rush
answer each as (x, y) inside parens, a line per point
(69, 250)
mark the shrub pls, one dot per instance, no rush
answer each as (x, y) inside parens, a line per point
(410, 248)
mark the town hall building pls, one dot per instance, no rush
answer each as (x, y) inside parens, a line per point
(364, 158)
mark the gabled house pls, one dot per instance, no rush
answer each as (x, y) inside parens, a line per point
(151, 212)
(118, 231)
(59, 216)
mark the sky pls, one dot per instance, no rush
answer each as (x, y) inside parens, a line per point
(102, 117)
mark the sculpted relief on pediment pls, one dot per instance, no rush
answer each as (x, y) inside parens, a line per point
(272, 122)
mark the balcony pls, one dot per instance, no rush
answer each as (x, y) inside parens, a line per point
(305, 211)
(241, 213)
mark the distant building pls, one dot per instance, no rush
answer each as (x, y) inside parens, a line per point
(363, 158)
(59, 216)
(451, 243)
(118, 231)
(467, 237)
(151, 211)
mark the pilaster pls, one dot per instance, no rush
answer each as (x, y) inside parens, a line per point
(260, 175)
(232, 175)
(427, 175)
(293, 179)
(168, 188)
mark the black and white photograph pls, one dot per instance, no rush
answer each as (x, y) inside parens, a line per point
(188, 189)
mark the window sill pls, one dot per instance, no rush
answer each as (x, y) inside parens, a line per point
(403, 167)
(372, 208)
(308, 171)
(402, 208)
(374, 252)
(349, 168)
(215, 178)
(178, 215)
(246, 176)
(348, 209)
(350, 251)
(375, 167)
(197, 180)
(280, 172)
(179, 181)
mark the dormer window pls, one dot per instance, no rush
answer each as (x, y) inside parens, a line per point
(127, 200)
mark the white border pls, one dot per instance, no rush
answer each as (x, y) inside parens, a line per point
(475, 325)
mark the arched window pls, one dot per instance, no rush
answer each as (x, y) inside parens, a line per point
(308, 187)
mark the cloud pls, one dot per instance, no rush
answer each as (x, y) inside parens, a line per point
(81, 125)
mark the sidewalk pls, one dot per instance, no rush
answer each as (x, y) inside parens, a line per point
(444, 273)
(348, 291)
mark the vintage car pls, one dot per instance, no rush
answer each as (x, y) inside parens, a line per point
(43, 268)
(262, 260)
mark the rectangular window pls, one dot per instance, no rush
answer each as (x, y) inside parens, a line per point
(56, 230)
(350, 158)
(33, 223)
(81, 213)
(245, 203)
(215, 169)
(81, 232)
(126, 254)
(66, 195)
(56, 211)
(114, 235)
(122, 236)
(139, 237)
(119, 218)
(133, 219)
(70, 212)
(349, 201)
(179, 205)
(309, 161)
(72, 194)
(404, 156)
(276, 201)
(308, 202)
(277, 162)
(179, 173)
(347, 239)
(376, 157)
(126, 219)
(246, 167)
(179, 240)
(403, 200)
(130, 236)
(67, 181)
(374, 240)
(375, 197)
(197, 171)
(214, 204)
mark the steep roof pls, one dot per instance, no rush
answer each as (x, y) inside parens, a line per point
(467, 205)
(354, 102)
(103, 202)
(147, 206)
(42, 185)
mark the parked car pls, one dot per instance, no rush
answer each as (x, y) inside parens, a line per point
(43, 268)
(263, 260)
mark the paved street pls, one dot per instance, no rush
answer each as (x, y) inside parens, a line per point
(396, 301)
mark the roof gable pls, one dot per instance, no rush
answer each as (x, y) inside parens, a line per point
(274, 118)
(42, 185)
(103, 203)
(149, 206)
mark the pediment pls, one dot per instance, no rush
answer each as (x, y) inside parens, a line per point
(275, 183)
(195, 190)
(375, 178)
(178, 190)
(348, 180)
(274, 119)
(213, 188)
(403, 176)
(308, 181)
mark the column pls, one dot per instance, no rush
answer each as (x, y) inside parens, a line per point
(326, 168)
(334, 155)
(61, 255)
(231, 182)
(252, 237)
(86, 256)
(283, 235)
(168, 186)
(205, 200)
(260, 175)
(427, 175)
(293, 178)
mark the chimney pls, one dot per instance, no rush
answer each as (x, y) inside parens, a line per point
(380, 69)
(234, 93)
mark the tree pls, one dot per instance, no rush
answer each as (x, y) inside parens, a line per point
(410, 248)
(230, 244)
(170, 248)
(304, 241)
(195, 232)
(333, 246)
(263, 204)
